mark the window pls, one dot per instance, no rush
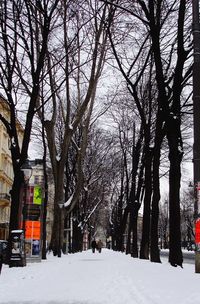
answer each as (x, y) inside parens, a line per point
(37, 179)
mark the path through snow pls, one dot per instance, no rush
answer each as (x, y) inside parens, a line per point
(106, 278)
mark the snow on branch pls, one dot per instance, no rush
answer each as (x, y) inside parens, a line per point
(82, 224)
(68, 202)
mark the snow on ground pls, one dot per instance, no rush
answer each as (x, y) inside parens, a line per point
(101, 278)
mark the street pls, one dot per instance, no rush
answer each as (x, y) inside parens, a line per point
(109, 277)
(188, 256)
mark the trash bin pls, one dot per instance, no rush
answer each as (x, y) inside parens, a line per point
(18, 256)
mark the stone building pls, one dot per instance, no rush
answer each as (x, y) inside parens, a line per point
(6, 170)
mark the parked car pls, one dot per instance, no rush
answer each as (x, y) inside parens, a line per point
(3, 249)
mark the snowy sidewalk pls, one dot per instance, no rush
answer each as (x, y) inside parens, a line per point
(106, 278)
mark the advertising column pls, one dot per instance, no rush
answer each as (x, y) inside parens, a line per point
(33, 223)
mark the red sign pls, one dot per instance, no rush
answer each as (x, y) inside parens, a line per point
(32, 230)
(197, 232)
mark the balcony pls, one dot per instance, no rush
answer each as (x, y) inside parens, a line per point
(4, 199)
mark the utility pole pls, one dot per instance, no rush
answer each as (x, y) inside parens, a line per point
(196, 117)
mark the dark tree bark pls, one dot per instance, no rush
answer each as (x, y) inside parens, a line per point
(44, 217)
(174, 137)
(154, 251)
(136, 207)
(171, 115)
(133, 199)
(175, 157)
(119, 231)
(144, 250)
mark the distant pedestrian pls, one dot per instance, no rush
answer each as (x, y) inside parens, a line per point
(99, 245)
(94, 245)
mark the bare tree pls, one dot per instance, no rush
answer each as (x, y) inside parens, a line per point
(23, 47)
(170, 49)
(69, 92)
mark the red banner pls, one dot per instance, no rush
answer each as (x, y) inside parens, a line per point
(197, 232)
(32, 230)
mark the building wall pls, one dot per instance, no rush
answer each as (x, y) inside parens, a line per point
(6, 175)
(6, 170)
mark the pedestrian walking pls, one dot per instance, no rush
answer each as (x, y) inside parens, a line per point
(99, 245)
(94, 245)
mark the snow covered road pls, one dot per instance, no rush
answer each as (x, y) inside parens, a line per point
(106, 278)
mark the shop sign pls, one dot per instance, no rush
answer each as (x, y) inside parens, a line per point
(37, 195)
(33, 230)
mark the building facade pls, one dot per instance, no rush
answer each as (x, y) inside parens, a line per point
(6, 175)
(6, 170)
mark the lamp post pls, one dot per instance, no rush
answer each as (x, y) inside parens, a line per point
(196, 111)
(27, 171)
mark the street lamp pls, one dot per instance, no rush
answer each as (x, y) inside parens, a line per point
(27, 170)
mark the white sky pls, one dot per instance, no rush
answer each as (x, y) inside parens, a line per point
(101, 278)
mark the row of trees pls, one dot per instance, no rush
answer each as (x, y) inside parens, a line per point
(52, 54)
(55, 56)
(156, 67)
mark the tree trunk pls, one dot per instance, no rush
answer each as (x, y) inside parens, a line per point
(176, 147)
(58, 222)
(128, 243)
(16, 209)
(16, 201)
(134, 251)
(44, 216)
(155, 252)
(144, 250)
(123, 226)
(175, 157)
(119, 234)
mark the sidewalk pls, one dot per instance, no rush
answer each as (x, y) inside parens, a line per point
(105, 278)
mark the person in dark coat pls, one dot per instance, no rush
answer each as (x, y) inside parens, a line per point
(93, 245)
(99, 245)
